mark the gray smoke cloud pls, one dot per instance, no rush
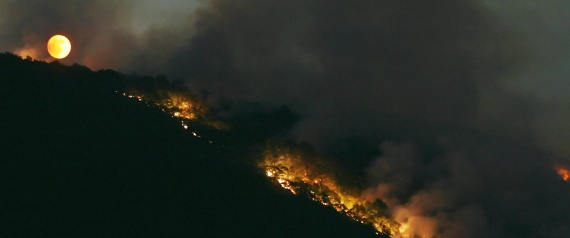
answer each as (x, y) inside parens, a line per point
(120, 34)
(467, 100)
(480, 188)
(543, 82)
(343, 61)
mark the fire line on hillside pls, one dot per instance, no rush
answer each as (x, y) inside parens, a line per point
(294, 174)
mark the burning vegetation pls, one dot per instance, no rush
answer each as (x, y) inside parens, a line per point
(172, 97)
(300, 177)
(293, 171)
(564, 173)
(179, 106)
(182, 106)
(298, 173)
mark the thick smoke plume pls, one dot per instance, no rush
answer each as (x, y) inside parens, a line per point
(464, 102)
(471, 189)
(443, 88)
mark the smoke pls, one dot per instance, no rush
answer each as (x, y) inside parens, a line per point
(543, 81)
(359, 67)
(467, 100)
(104, 34)
(446, 77)
(452, 79)
(471, 189)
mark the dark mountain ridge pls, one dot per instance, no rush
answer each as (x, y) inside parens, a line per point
(82, 161)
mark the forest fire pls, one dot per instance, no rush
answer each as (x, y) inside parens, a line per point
(178, 106)
(181, 107)
(564, 174)
(175, 105)
(292, 173)
(289, 170)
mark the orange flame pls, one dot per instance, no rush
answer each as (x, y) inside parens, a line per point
(182, 107)
(294, 174)
(564, 173)
(177, 106)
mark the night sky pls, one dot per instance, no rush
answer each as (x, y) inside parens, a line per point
(453, 114)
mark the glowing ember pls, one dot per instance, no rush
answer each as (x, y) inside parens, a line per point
(564, 174)
(298, 176)
(288, 170)
(182, 107)
(178, 106)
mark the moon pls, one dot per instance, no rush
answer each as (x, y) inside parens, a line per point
(59, 46)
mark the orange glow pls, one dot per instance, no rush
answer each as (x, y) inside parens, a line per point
(177, 106)
(27, 52)
(59, 46)
(299, 176)
(180, 106)
(564, 174)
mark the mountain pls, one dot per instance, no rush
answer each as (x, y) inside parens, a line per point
(79, 159)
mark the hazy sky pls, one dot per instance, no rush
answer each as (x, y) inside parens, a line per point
(151, 13)
(483, 82)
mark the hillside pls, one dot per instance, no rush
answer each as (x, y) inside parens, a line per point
(80, 160)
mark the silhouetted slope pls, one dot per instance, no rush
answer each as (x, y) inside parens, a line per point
(80, 161)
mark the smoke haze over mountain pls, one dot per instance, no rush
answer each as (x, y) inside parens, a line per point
(464, 103)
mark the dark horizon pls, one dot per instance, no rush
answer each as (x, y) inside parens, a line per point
(449, 119)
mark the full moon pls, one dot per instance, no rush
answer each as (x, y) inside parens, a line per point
(59, 46)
